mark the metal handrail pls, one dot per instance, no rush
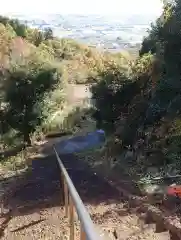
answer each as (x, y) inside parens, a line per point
(88, 231)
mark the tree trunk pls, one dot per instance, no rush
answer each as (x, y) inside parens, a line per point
(27, 139)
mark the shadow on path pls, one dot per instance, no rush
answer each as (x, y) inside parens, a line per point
(43, 188)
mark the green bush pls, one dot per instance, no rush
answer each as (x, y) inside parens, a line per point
(26, 85)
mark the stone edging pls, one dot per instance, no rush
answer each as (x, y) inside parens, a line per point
(153, 214)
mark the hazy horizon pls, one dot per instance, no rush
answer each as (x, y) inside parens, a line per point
(79, 7)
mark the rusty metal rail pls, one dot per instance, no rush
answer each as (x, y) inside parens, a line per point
(73, 202)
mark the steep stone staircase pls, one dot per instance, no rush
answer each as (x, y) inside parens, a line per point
(37, 207)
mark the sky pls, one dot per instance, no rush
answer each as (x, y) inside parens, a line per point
(81, 6)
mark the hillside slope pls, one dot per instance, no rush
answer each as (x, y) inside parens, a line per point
(142, 113)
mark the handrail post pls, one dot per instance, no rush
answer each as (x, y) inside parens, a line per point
(66, 197)
(82, 233)
(71, 212)
(63, 190)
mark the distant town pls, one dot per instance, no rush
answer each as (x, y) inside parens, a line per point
(104, 32)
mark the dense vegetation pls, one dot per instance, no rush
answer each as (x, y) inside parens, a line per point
(26, 75)
(137, 101)
(35, 68)
(144, 111)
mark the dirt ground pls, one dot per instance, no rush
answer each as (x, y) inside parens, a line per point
(38, 210)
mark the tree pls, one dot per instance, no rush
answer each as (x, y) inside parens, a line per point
(48, 34)
(26, 85)
(19, 28)
(34, 36)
